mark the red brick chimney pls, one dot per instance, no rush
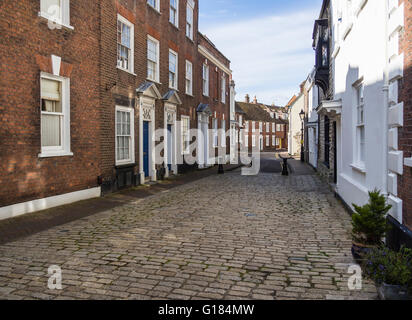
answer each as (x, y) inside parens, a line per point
(255, 100)
(247, 99)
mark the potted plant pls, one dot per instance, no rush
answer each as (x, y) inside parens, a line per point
(369, 225)
(392, 272)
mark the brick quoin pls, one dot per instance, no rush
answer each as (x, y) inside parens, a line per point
(405, 96)
(26, 47)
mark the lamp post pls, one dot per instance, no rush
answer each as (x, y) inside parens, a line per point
(302, 148)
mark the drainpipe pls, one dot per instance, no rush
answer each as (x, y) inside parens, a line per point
(386, 103)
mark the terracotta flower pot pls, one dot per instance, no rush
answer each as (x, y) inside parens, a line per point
(393, 292)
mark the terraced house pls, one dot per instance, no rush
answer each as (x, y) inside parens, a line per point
(105, 82)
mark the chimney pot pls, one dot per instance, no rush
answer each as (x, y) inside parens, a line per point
(255, 100)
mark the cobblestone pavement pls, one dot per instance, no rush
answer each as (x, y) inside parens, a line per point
(222, 237)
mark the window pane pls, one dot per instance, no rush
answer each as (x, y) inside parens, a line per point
(51, 8)
(50, 131)
(50, 89)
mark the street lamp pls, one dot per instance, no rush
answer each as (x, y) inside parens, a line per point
(302, 148)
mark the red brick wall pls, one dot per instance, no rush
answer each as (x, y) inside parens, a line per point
(26, 47)
(123, 85)
(405, 133)
(214, 100)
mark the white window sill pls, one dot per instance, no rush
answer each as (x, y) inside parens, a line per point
(156, 10)
(128, 71)
(190, 95)
(55, 154)
(125, 163)
(408, 162)
(58, 24)
(358, 167)
(154, 81)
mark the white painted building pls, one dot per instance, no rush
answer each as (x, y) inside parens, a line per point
(295, 125)
(365, 68)
(312, 119)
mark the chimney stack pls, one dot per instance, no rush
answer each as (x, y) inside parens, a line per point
(255, 100)
(247, 99)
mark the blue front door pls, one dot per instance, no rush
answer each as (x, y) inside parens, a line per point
(146, 148)
(169, 147)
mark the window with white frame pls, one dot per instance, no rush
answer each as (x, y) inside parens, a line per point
(273, 127)
(267, 141)
(253, 140)
(215, 133)
(253, 126)
(260, 126)
(240, 121)
(223, 89)
(278, 141)
(154, 4)
(267, 126)
(55, 115)
(205, 80)
(185, 135)
(223, 133)
(246, 140)
(278, 128)
(56, 10)
(124, 135)
(174, 12)
(125, 44)
(189, 78)
(173, 67)
(152, 59)
(247, 126)
(274, 140)
(189, 18)
(360, 126)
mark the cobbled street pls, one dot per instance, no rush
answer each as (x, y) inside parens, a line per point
(222, 237)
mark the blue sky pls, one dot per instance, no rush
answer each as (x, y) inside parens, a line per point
(269, 43)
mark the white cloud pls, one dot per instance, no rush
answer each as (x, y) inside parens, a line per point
(270, 55)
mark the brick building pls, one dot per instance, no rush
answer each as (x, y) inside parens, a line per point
(263, 131)
(213, 110)
(49, 104)
(403, 232)
(149, 54)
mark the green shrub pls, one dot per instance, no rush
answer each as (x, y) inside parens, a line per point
(386, 266)
(369, 222)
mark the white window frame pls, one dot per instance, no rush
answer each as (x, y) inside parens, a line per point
(64, 149)
(267, 127)
(215, 133)
(190, 24)
(185, 135)
(64, 14)
(205, 78)
(189, 78)
(131, 56)
(240, 120)
(156, 5)
(273, 127)
(157, 73)
(223, 88)
(176, 75)
(253, 140)
(246, 139)
(176, 22)
(253, 126)
(132, 136)
(278, 128)
(360, 126)
(246, 126)
(260, 126)
(274, 141)
(267, 141)
(223, 132)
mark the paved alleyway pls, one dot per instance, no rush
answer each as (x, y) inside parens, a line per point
(222, 237)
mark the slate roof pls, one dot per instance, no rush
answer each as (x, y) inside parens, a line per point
(255, 112)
